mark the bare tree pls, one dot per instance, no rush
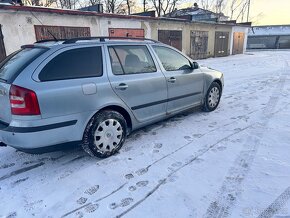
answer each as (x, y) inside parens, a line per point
(242, 11)
(130, 5)
(164, 6)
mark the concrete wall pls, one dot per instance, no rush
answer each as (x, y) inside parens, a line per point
(18, 27)
(186, 28)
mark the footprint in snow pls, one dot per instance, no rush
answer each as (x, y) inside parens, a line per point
(141, 171)
(155, 151)
(79, 214)
(5, 166)
(91, 208)
(188, 138)
(92, 190)
(199, 160)
(129, 176)
(12, 215)
(132, 188)
(221, 148)
(113, 206)
(172, 178)
(142, 183)
(197, 135)
(82, 200)
(176, 164)
(158, 145)
(125, 202)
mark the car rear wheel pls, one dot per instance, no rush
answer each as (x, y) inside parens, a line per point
(212, 97)
(105, 134)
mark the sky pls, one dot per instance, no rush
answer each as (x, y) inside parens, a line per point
(270, 12)
(262, 12)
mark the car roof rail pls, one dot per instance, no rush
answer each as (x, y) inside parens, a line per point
(50, 40)
(104, 38)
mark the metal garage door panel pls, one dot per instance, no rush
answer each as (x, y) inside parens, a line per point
(238, 45)
(171, 37)
(221, 43)
(43, 32)
(126, 32)
(199, 44)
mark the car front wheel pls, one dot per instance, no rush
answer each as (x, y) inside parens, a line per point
(105, 134)
(212, 97)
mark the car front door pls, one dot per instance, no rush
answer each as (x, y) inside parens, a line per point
(137, 81)
(185, 84)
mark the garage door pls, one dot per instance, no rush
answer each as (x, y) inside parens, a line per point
(2, 47)
(238, 46)
(43, 32)
(221, 44)
(126, 32)
(199, 44)
(171, 37)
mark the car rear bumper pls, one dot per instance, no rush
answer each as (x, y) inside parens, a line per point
(37, 134)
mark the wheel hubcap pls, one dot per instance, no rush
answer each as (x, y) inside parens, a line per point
(108, 135)
(213, 97)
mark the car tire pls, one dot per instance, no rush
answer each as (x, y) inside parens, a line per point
(105, 134)
(212, 98)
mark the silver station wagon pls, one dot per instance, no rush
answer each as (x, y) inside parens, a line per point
(95, 91)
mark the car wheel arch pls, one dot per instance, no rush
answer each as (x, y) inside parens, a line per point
(119, 109)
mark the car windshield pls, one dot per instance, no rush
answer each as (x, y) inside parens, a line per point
(17, 61)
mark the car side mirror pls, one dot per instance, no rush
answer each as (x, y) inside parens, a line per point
(195, 65)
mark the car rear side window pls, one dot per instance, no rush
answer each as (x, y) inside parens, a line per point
(131, 59)
(74, 64)
(17, 61)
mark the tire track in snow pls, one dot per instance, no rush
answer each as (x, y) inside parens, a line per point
(22, 170)
(188, 162)
(231, 186)
(276, 205)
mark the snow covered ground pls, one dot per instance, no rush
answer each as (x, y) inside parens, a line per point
(234, 162)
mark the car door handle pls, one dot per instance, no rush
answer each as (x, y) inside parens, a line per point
(171, 80)
(122, 86)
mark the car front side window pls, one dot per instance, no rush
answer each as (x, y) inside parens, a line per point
(171, 59)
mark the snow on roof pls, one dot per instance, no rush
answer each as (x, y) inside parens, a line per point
(192, 11)
(270, 30)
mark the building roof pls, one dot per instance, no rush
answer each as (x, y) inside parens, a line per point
(271, 30)
(107, 15)
(194, 11)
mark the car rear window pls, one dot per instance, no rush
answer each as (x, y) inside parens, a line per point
(74, 64)
(17, 61)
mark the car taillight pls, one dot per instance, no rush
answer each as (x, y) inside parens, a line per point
(23, 101)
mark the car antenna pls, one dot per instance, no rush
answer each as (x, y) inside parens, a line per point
(53, 36)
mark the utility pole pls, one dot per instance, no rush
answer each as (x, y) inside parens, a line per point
(249, 5)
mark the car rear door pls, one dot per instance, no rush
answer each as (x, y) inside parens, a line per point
(137, 81)
(185, 84)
